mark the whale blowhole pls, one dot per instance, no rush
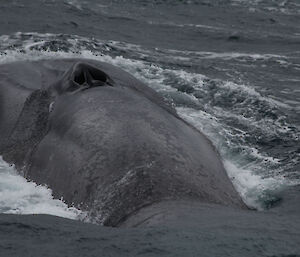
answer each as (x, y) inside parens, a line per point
(79, 77)
(88, 76)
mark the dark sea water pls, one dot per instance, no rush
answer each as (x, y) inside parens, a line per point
(229, 67)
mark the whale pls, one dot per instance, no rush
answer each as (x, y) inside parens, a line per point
(105, 142)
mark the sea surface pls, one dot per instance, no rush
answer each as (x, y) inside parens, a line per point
(229, 67)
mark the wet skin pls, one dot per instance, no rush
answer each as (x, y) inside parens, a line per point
(104, 141)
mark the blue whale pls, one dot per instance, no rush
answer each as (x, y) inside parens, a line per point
(103, 141)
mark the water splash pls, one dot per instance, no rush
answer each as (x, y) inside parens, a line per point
(18, 196)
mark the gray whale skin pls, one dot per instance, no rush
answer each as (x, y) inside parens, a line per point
(104, 141)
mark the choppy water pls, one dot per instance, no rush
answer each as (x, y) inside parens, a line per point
(17, 196)
(231, 68)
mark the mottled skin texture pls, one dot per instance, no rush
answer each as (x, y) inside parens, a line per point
(103, 140)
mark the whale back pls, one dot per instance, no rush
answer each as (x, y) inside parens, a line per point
(107, 143)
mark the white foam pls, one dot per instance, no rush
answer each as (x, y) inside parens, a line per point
(247, 182)
(250, 186)
(229, 55)
(18, 196)
(172, 24)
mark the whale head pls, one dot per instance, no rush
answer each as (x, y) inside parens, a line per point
(106, 143)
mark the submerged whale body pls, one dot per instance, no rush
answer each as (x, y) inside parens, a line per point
(104, 141)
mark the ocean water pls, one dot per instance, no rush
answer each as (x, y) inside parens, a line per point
(17, 196)
(231, 68)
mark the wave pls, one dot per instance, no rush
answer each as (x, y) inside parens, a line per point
(18, 196)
